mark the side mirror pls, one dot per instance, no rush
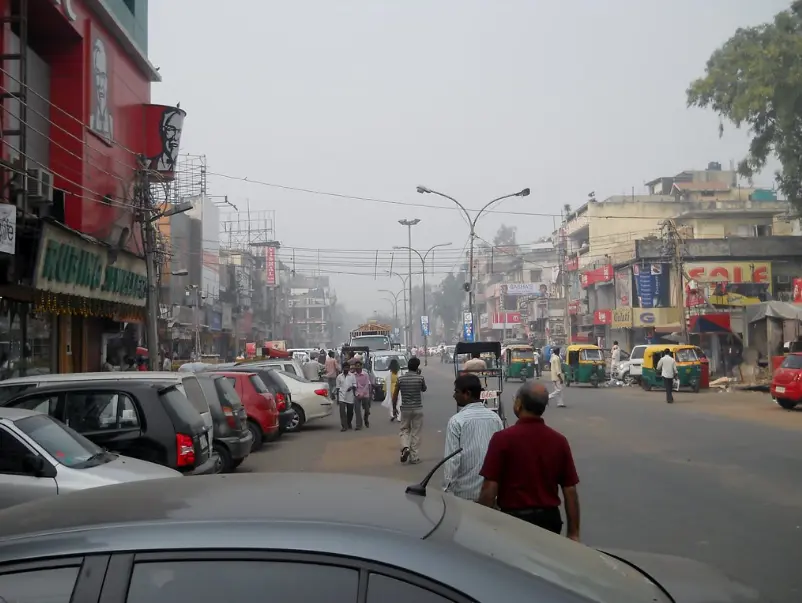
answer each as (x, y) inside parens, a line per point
(35, 465)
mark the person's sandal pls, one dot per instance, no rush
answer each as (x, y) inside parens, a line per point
(404, 455)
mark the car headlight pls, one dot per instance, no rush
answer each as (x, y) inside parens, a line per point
(379, 380)
(622, 366)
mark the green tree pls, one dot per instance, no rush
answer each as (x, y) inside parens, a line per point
(505, 236)
(755, 80)
(448, 301)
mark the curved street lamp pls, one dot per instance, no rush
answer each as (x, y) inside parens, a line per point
(472, 225)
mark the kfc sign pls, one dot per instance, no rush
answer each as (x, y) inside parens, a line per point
(602, 317)
(270, 257)
(66, 6)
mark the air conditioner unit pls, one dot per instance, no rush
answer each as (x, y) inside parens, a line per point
(40, 185)
(783, 280)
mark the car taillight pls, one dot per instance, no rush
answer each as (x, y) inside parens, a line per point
(271, 403)
(281, 401)
(322, 392)
(185, 450)
(230, 418)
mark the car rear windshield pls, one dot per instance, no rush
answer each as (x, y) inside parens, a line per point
(62, 443)
(258, 384)
(792, 362)
(637, 352)
(181, 411)
(228, 395)
(195, 394)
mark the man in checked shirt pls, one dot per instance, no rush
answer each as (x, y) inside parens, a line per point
(470, 429)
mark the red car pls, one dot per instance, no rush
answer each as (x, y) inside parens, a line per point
(263, 416)
(786, 385)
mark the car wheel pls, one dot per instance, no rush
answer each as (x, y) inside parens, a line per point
(256, 432)
(298, 420)
(237, 463)
(697, 385)
(225, 458)
(594, 381)
(786, 404)
(645, 385)
(627, 378)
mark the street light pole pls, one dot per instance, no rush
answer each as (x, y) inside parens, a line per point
(423, 273)
(404, 290)
(409, 224)
(472, 226)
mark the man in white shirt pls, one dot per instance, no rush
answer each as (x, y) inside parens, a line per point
(475, 363)
(556, 367)
(615, 360)
(470, 429)
(536, 361)
(344, 390)
(312, 369)
(667, 367)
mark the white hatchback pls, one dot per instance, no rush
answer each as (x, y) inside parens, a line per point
(310, 400)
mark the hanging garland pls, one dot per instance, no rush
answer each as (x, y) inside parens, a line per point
(69, 305)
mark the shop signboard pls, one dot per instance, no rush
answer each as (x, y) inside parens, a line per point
(424, 326)
(656, 317)
(521, 289)
(602, 317)
(270, 261)
(652, 285)
(507, 320)
(604, 274)
(467, 327)
(623, 288)
(574, 307)
(729, 272)
(215, 321)
(728, 283)
(622, 318)
(71, 265)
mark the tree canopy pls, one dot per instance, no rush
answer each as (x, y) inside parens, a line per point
(755, 80)
(448, 301)
(505, 236)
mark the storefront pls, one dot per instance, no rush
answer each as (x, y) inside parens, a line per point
(92, 296)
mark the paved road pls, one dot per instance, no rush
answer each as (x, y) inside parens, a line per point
(715, 477)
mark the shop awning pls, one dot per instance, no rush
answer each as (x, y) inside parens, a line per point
(711, 323)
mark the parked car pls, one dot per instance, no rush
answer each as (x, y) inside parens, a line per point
(259, 404)
(631, 369)
(153, 422)
(41, 457)
(310, 400)
(288, 366)
(307, 537)
(232, 438)
(786, 384)
(281, 393)
(187, 384)
(381, 371)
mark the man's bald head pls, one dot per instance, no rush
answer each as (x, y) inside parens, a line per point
(534, 397)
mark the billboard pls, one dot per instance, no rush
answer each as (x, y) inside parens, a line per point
(727, 283)
(623, 288)
(529, 289)
(652, 285)
(270, 266)
(208, 214)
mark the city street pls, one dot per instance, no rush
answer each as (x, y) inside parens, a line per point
(715, 477)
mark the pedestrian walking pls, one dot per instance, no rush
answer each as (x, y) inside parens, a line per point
(410, 388)
(363, 393)
(470, 429)
(345, 399)
(331, 368)
(527, 464)
(394, 368)
(615, 360)
(536, 362)
(312, 369)
(557, 377)
(667, 367)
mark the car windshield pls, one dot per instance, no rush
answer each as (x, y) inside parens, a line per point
(374, 342)
(382, 363)
(66, 446)
(794, 361)
(592, 355)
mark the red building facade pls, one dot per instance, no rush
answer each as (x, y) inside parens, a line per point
(77, 130)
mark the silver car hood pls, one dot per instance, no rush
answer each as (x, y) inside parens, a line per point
(126, 469)
(686, 580)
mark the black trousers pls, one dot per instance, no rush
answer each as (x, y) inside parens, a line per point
(346, 415)
(669, 383)
(547, 518)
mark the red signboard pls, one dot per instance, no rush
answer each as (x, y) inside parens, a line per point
(512, 318)
(730, 272)
(574, 307)
(597, 275)
(572, 264)
(270, 257)
(603, 317)
(798, 290)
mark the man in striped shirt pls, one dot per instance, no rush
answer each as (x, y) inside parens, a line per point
(410, 387)
(470, 429)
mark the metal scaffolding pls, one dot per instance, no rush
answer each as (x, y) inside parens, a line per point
(246, 229)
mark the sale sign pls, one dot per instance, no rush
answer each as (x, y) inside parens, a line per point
(729, 272)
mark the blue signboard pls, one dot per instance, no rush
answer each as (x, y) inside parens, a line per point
(652, 285)
(424, 326)
(467, 327)
(216, 322)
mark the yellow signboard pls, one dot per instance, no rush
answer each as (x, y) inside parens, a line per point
(622, 318)
(657, 317)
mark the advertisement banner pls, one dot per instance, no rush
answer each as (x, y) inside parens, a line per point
(574, 307)
(623, 288)
(622, 318)
(798, 290)
(215, 321)
(729, 272)
(652, 285)
(531, 289)
(467, 327)
(657, 317)
(424, 326)
(603, 317)
(727, 283)
(484, 320)
(597, 275)
(511, 319)
(270, 261)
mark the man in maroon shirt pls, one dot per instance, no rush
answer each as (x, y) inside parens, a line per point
(527, 464)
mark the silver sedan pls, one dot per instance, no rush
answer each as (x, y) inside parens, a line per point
(41, 457)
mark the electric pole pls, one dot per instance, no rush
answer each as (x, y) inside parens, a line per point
(409, 224)
(149, 239)
(672, 250)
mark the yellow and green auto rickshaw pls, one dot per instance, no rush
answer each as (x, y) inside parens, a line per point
(584, 364)
(519, 362)
(689, 366)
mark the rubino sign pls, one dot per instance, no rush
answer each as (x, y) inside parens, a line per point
(66, 7)
(729, 272)
(603, 317)
(597, 275)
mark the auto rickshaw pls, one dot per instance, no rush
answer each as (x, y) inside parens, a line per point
(491, 378)
(519, 362)
(689, 367)
(584, 364)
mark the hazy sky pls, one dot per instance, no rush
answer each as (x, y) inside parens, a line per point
(475, 98)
